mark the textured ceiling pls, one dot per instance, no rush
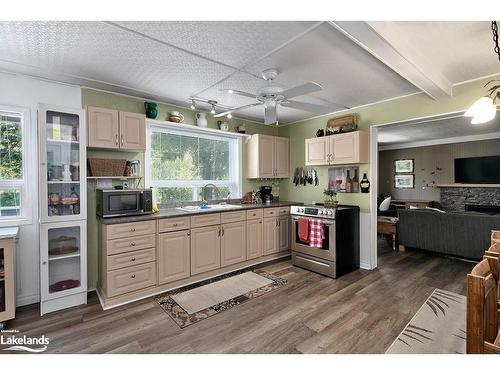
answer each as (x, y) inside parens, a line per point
(434, 130)
(173, 61)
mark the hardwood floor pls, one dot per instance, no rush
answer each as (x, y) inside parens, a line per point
(362, 312)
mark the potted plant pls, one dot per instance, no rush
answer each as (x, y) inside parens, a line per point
(331, 198)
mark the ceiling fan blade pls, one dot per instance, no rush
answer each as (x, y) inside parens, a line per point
(237, 109)
(270, 115)
(242, 93)
(304, 89)
(309, 107)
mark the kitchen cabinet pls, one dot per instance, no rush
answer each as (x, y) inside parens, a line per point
(284, 226)
(103, 128)
(233, 248)
(270, 235)
(268, 157)
(112, 129)
(317, 151)
(7, 274)
(205, 249)
(132, 131)
(254, 238)
(338, 149)
(174, 261)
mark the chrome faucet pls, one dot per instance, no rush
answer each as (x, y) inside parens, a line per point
(203, 191)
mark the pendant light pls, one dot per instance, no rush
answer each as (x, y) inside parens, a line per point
(484, 109)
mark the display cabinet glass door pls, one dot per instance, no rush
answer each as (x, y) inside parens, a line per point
(63, 266)
(63, 165)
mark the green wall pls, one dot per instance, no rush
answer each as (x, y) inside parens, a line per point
(404, 108)
(131, 104)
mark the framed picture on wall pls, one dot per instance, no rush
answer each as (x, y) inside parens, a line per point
(404, 165)
(404, 181)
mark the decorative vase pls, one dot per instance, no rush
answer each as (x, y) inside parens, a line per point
(201, 119)
(364, 184)
(151, 110)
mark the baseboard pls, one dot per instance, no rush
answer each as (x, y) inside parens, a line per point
(365, 266)
(27, 300)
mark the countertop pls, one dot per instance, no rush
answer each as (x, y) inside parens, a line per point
(166, 213)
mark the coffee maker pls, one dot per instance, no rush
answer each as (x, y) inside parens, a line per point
(265, 194)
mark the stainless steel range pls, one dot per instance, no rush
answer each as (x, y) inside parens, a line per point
(339, 253)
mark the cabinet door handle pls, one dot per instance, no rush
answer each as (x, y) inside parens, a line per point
(260, 221)
(132, 229)
(132, 244)
(222, 230)
(218, 233)
(133, 276)
(276, 223)
(116, 139)
(174, 225)
(132, 260)
(122, 139)
(188, 234)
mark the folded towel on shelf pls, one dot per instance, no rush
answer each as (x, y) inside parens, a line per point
(316, 233)
(303, 229)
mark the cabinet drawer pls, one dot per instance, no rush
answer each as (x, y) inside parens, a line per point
(204, 220)
(284, 210)
(176, 223)
(231, 217)
(130, 229)
(131, 258)
(131, 278)
(254, 214)
(124, 245)
(271, 212)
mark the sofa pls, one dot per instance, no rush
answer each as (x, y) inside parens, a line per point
(460, 234)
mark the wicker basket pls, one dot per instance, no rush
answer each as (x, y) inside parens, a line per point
(106, 167)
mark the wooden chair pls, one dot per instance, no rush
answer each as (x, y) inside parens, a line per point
(483, 315)
(495, 236)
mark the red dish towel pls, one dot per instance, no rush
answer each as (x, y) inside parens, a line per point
(304, 229)
(317, 233)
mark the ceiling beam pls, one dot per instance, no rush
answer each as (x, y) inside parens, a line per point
(392, 53)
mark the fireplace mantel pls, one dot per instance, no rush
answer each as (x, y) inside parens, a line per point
(468, 186)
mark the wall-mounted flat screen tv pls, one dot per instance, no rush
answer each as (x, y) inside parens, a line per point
(479, 170)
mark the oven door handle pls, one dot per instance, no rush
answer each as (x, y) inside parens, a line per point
(326, 222)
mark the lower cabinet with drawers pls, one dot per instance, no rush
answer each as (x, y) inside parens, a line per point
(140, 259)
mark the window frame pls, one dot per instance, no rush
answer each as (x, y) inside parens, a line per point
(29, 165)
(235, 163)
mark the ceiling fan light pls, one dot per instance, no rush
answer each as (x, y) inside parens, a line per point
(212, 111)
(481, 106)
(193, 105)
(229, 116)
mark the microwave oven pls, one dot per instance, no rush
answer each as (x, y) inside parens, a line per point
(126, 202)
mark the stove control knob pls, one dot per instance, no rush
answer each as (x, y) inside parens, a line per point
(330, 213)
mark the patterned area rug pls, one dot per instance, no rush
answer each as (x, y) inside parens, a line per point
(438, 327)
(184, 318)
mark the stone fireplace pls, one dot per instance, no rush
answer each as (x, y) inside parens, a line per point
(455, 198)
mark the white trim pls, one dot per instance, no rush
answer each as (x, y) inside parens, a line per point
(429, 80)
(442, 141)
(354, 108)
(234, 139)
(29, 136)
(477, 79)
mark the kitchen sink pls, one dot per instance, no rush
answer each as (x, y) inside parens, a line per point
(208, 207)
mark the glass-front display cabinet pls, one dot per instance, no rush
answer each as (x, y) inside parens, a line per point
(63, 164)
(64, 265)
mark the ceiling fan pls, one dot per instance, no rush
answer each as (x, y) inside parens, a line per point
(271, 97)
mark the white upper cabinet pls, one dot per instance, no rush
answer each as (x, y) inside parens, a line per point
(112, 129)
(268, 157)
(345, 148)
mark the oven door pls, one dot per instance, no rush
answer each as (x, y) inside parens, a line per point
(326, 252)
(121, 203)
